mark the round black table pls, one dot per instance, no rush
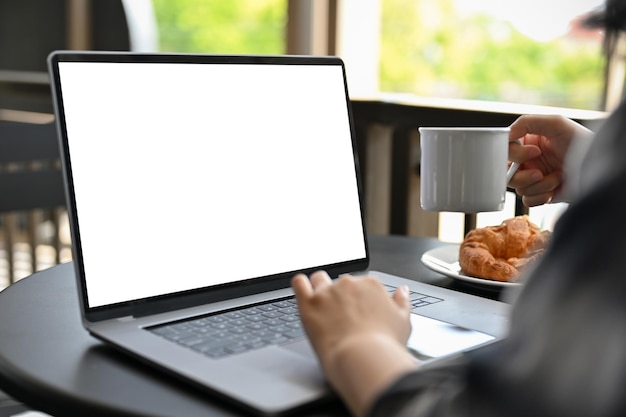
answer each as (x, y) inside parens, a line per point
(49, 362)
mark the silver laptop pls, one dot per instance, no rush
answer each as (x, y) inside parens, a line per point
(197, 187)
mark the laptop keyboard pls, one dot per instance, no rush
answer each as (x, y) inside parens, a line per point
(238, 331)
(249, 328)
(416, 299)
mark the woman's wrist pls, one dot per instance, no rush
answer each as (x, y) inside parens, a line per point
(361, 366)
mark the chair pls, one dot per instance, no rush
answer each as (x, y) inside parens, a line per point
(32, 197)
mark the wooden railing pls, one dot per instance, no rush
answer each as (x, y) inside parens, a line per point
(31, 239)
(33, 221)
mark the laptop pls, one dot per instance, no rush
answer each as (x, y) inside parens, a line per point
(197, 186)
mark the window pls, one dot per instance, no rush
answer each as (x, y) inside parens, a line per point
(532, 52)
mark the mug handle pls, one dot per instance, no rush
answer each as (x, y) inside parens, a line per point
(512, 170)
(514, 166)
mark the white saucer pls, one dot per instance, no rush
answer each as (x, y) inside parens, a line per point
(445, 260)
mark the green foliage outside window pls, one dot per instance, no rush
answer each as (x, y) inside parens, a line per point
(428, 50)
(222, 26)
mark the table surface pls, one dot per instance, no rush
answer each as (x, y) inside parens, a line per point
(48, 360)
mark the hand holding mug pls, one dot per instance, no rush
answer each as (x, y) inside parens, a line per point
(545, 140)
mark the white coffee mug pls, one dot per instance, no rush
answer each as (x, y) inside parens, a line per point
(464, 169)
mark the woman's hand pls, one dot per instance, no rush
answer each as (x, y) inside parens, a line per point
(358, 332)
(545, 141)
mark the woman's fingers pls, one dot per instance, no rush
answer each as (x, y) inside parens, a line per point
(537, 200)
(524, 178)
(320, 280)
(535, 193)
(521, 153)
(401, 297)
(301, 287)
(305, 288)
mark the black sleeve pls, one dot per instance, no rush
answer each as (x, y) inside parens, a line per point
(424, 392)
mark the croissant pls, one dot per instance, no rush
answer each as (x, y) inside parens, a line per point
(500, 252)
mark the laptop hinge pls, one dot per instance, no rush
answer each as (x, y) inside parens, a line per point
(126, 318)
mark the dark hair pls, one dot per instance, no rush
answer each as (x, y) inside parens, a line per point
(611, 16)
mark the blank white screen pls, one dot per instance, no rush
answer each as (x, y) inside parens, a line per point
(191, 175)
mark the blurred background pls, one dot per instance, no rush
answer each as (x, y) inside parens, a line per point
(409, 63)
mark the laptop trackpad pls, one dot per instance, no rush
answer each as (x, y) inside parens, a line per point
(429, 339)
(432, 338)
(294, 362)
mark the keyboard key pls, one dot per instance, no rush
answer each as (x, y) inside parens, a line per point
(296, 333)
(272, 314)
(257, 326)
(234, 315)
(416, 296)
(420, 304)
(250, 311)
(267, 307)
(290, 310)
(290, 318)
(282, 304)
(216, 319)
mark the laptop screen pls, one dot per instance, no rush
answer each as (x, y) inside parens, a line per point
(187, 175)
